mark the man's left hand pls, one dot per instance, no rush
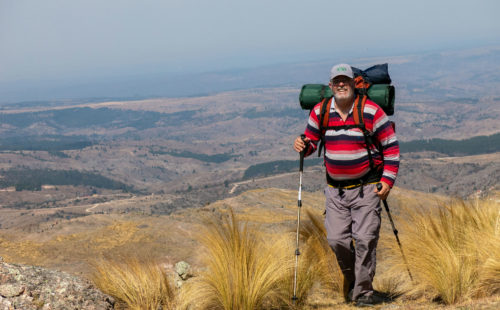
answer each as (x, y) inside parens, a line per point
(384, 192)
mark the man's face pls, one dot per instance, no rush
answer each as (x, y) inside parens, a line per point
(342, 87)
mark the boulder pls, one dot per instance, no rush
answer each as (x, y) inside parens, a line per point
(30, 287)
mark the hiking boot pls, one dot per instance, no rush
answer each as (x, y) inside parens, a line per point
(370, 300)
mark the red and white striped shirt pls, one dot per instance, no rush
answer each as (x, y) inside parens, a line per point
(346, 157)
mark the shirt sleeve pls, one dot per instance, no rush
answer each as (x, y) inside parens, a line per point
(384, 133)
(312, 130)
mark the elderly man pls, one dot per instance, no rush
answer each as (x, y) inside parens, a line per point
(352, 198)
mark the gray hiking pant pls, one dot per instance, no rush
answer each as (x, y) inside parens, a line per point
(354, 215)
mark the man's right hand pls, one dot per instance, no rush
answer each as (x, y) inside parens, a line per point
(300, 144)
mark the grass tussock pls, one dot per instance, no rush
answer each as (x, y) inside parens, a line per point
(246, 270)
(453, 251)
(242, 271)
(141, 285)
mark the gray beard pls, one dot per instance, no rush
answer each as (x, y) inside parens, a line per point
(345, 101)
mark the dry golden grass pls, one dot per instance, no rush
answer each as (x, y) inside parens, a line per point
(487, 245)
(453, 251)
(141, 285)
(245, 271)
(242, 271)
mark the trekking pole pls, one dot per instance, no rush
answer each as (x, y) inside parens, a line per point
(379, 187)
(299, 204)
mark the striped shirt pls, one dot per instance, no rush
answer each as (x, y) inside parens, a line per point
(346, 157)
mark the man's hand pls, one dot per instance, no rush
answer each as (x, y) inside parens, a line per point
(384, 191)
(300, 144)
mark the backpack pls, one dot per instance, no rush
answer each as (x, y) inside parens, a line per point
(377, 87)
(373, 83)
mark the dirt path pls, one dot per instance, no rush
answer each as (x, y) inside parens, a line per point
(235, 185)
(88, 210)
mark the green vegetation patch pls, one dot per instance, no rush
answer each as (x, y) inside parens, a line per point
(277, 167)
(473, 146)
(216, 158)
(50, 143)
(33, 179)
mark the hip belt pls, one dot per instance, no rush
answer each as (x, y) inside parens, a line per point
(372, 177)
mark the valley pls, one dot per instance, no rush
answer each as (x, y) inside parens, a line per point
(75, 171)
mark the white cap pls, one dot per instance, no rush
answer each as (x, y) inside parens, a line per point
(341, 69)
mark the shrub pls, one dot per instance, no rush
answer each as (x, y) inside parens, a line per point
(242, 271)
(140, 285)
(453, 251)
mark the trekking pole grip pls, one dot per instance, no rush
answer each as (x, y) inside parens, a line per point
(302, 153)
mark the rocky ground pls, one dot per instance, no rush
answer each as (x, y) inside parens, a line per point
(34, 288)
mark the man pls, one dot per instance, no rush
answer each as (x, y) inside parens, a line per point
(352, 199)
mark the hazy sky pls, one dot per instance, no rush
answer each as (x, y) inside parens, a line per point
(55, 39)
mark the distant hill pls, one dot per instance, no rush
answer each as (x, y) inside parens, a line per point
(427, 76)
(199, 147)
(473, 146)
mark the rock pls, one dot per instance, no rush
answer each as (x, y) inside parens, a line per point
(29, 287)
(182, 269)
(11, 290)
(181, 273)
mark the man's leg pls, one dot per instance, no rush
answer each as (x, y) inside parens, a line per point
(338, 227)
(365, 229)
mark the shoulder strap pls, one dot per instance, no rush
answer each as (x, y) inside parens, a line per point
(358, 111)
(325, 113)
(359, 108)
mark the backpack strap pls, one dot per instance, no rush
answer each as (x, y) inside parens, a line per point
(323, 121)
(357, 113)
(359, 108)
(359, 120)
(325, 112)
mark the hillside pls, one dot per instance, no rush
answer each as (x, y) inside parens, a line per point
(104, 228)
(82, 179)
(106, 231)
(65, 153)
(180, 145)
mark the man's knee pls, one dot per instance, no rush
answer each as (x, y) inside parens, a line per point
(339, 243)
(368, 235)
(366, 243)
